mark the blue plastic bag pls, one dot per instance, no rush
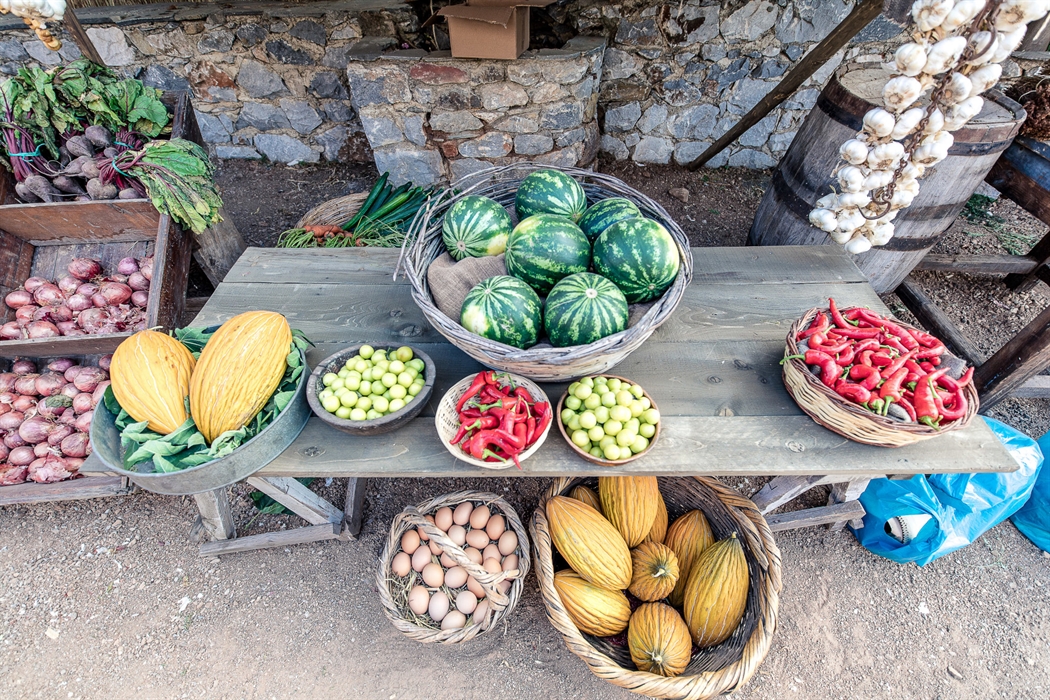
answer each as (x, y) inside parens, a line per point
(1033, 520)
(962, 507)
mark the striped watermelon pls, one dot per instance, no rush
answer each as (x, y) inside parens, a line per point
(583, 308)
(550, 192)
(606, 213)
(544, 248)
(639, 256)
(504, 309)
(475, 227)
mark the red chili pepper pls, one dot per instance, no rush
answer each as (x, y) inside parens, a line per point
(472, 391)
(912, 377)
(858, 333)
(489, 394)
(925, 339)
(891, 388)
(840, 322)
(829, 369)
(954, 385)
(915, 368)
(881, 359)
(845, 358)
(925, 405)
(851, 314)
(925, 353)
(469, 413)
(958, 405)
(864, 358)
(523, 393)
(819, 325)
(869, 344)
(927, 366)
(821, 342)
(901, 361)
(892, 342)
(867, 377)
(906, 405)
(854, 392)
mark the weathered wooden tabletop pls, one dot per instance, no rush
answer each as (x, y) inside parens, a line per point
(713, 369)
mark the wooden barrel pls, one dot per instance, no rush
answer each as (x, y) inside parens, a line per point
(804, 175)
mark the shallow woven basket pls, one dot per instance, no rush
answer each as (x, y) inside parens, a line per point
(713, 671)
(446, 419)
(844, 417)
(563, 429)
(423, 245)
(500, 604)
(334, 212)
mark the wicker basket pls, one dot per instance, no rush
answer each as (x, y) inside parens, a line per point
(423, 245)
(713, 671)
(447, 421)
(587, 455)
(500, 604)
(844, 417)
(334, 212)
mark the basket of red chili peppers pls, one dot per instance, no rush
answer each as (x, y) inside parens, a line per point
(874, 379)
(494, 419)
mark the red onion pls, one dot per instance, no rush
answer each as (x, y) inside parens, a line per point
(79, 302)
(43, 313)
(60, 433)
(4, 452)
(60, 364)
(146, 267)
(99, 301)
(35, 429)
(23, 403)
(53, 406)
(23, 366)
(49, 384)
(104, 361)
(61, 314)
(83, 423)
(7, 384)
(75, 331)
(11, 331)
(68, 285)
(73, 463)
(42, 329)
(34, 283)
(26, 384)
(88, 378)
(87, 289)
(92, 320)
(115, 293)
(83, 402)
(49, 469)
(48, 294)
(25, 314)
(8, 396)
(66, 327)
(11, 420)
(137, 298)
(42, 449)
(72, 372)
(70, 390)
(21, 456)
(99, 392)
(118, 278)
(84, 268)
(18, 298)
(13, 440)
(127, 266)
(68, 417)
(110, 328)
(76, 445)
(5, 408)
(137, 282)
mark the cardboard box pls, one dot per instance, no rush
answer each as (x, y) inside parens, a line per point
(488, 28)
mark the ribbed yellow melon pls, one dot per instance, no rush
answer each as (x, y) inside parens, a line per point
(238, 371)
(687, 537)
(630, 504)
(654, 571)
(716, 593)
(593, 610)
(658, 640)
(589, 543)
(586, 495)
(658, 531)
(150, 375)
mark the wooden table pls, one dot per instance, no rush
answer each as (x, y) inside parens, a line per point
(713, 368)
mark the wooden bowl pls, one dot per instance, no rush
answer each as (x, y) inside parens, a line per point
(447, 421)
(383, 424)
(587, 455)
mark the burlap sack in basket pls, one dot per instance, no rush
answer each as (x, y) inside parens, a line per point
(451, 280)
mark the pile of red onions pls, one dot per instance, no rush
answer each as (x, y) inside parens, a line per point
(45, 418)
(85, 302)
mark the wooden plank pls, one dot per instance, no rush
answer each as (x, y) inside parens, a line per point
(171, 269)
(285, 538)
(66, 223)
(844, 492)
(1022, 174)
(353, 507)
(810, 517)
(70, 490)
(978, 264)
(1040, 256)
(937, 322)
(81, 38)
(216, 515)
(783, 489)
(219, 247)
(1038, 387)
(1037, 38)
(1021, 358)
(297, 498)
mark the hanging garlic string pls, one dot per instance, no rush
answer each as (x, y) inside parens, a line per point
(35, 13)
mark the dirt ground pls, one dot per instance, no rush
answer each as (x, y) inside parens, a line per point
(109, 599)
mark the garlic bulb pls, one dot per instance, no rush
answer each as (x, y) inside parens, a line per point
(828, 201)
(942, 140)
(841, 237)
(36, 9)
(1015, 14)
(963, 112)
(909, 59)
(956, 89)
(928, 14)
(912, 171)
(907, 122)
(878, 179)
(851, 179)
(1008, 43)
(935, 122)
(858, 245)
(885, 156)
(850, 220)
(855, 199)
(983, 45)
(944, 54)
(879, 122)
(881, 233)
(985, 77)
(824, 219)
(928, 154)
(963, 13)
(900, 92)
(854, 152)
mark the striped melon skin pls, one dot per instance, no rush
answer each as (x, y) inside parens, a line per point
(687, 537)
(504, 309)
(606, 213)
(150, 375)
(639, 256)
(593, 610)
(658, 640)
(583, 308)
(550, 192)
(544, 248)
(716, 593)
(475, 227)
(589, 543)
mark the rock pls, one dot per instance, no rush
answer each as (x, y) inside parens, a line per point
(172, 44)
(779, 143)
(632, 139)
(409, 164)
(437, 74)
(642, 33)
(367, 49)
(821, 75)
(794, 51)
(803, 99)
(454, 122)
(652, 149)
(333, 141)
(532, 144)
(163, 79)
(213, 129)
(718, 160)
(750, 22)
(878, 29)
(713, 52)
(279, 27)
(686, 152)
(112, 46)
(705, 21)
(565, 158)
(284, 53)
(9, 68)
(492, 145)
(694, 122)
(679, 193)
(954, 673)
(251, 34)
(623, 91)
(747, 93)
(236, 153)
(770, 68)
(570, 137)
(452, 98)
(349, 31)
(757, 135)
(565, 116)
(328, 84)
(413, 125)
(69, 52)
(309, 30)
(11, 50)
(810, 20)
(618, 64)
(737, 69)
(336, 111)
(548, 92)
(380, 131)
(371, 87)
(679, 93)
(518, 124)
(463, 167)
(216, 40)
(284, 149)
(614, 147)
(751, 159)
(503, 95)
(258, 80)
(263, 116)
(622, 117)
(301, 115)
(565, 72)
(41, 53)
(526, 73)
(654, 120)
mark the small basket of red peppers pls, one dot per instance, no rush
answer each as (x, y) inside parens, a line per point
(875, 379)
(494, 419)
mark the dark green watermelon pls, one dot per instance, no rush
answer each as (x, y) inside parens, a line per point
(543, 248)
(504, 309)
(550, 192)
(639, 256)
(606, 213)
(583, 308)
(475, 227)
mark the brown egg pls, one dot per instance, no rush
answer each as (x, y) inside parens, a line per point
(433, 575)
(474, 587)
(466, 602)
(435, 548)
(461, 516)
(504, 586)
(439, 605)
(410, 542)
(418, 600)
(478, 539)
(401, 564)
(447, 561)
(510, 562)
(458, 534)
(420, 558)
(508, 542)
(454, 620)
(496, 526)
(455, 577)
(423, 536)
(474, 555)
(492, 566)
(491, 552)
(443, 518)
(481, 611)
(479, 518)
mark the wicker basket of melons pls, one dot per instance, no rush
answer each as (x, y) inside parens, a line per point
(668, 587)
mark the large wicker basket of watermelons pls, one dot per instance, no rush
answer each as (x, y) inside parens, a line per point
(549, 273)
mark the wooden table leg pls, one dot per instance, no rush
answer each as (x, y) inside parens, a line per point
(354, 507)
(1024, 356)
(1040, 253)
(782, 489)
(297, 498)
(844, 493)
(216, 519)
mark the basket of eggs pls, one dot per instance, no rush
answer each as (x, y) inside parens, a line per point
(453, 567)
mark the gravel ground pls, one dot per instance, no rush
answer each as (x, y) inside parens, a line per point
(109, 598)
